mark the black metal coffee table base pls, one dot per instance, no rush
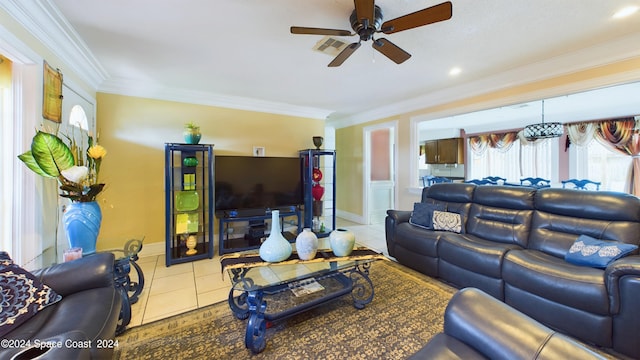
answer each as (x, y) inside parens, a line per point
(278, 302)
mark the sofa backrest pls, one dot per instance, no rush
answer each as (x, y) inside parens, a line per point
(562, 215)
(502, 213)
(456, 196)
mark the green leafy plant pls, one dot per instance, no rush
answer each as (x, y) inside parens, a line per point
(50, 157)
(191, 126)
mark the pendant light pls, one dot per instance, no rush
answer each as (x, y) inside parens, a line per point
(543, 130)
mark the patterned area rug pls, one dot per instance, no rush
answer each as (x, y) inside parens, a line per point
(406, 312)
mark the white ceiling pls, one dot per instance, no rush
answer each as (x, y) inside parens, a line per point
(242, 49)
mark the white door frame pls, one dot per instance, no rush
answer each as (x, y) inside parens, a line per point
(366, 180)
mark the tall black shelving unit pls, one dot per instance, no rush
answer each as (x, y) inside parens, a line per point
(323, 211)
(189, 201)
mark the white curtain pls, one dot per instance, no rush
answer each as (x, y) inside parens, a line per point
(521, 159)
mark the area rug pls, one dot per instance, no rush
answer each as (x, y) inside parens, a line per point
(406, 312)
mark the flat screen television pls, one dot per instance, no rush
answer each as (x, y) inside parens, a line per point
(255, 184)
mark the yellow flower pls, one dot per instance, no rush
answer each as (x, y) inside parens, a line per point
(96, 152)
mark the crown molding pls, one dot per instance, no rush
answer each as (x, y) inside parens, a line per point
(45, 22)
(581, 60)
(154, 91)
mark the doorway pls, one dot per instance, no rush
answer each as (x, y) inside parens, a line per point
(380, 191)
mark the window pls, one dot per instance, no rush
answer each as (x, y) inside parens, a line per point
(78, 118)
(595, 162)
(517, 161)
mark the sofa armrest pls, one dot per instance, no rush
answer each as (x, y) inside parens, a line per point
(499, 331)
(394, 217)
(399, 216)
(90, 272)
(629, 265)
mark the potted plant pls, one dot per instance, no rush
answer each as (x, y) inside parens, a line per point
(191, 133)
(77, 174)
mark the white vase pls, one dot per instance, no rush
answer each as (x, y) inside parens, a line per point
(276, 248)
(342, 242)
(306, 244)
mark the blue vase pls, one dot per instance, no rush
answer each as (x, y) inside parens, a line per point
(191, 137)
(82, 224)
(276, 248)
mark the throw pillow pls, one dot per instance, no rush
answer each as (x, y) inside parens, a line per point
(422, 214)
(447, 221)
(22, 295)
(587, 251)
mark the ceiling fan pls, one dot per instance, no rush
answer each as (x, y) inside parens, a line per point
(366, 20)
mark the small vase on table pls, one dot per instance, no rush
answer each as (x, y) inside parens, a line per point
(276, 248)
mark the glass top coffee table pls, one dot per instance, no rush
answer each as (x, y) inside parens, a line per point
(265, 292)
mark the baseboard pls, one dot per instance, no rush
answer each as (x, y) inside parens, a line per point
(356, 218)
(152, 249)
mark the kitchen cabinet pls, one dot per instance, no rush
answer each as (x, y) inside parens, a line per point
(445, 151)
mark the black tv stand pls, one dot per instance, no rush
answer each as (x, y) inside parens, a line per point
(256, 227)
(244, 213)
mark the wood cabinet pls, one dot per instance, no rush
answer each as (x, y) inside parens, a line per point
(445, 151)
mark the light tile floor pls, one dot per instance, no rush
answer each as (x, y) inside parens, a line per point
(179, 288)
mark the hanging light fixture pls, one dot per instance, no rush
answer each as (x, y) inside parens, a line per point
(543, 130)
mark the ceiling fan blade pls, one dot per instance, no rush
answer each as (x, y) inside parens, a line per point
(422, 17)
(365, 10)
(319, 31)
(391, 50)
(344, 54)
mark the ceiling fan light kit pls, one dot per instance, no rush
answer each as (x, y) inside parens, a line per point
(543, 130)
(367, 20)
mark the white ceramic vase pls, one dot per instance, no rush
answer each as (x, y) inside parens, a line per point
(306, 244)
(342, 242)
(276, 248)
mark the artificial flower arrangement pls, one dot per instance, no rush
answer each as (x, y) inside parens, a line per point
(76, 171)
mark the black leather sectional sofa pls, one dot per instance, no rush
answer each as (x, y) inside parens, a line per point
(512, 245)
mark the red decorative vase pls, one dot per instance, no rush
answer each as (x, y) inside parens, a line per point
(317, 191)
(317, 175)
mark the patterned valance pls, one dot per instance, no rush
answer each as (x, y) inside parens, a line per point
(502, 142)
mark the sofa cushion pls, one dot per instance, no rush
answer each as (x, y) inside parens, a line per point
(422, 214)
(547, 276)
(447, 221)
(419, 240)
(587, 251)
(22, 295)
(473, 253)
(502, 214)
(562, 215)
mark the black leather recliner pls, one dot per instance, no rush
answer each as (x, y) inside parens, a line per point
(87, 314)
(477, 326)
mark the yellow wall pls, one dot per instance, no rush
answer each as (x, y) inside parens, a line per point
(134, 131)
(349, 140)
(5, 73)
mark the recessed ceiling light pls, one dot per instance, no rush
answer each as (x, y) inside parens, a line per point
(455, 71)
(626, 11)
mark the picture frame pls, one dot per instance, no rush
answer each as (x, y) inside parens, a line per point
(52, 93)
